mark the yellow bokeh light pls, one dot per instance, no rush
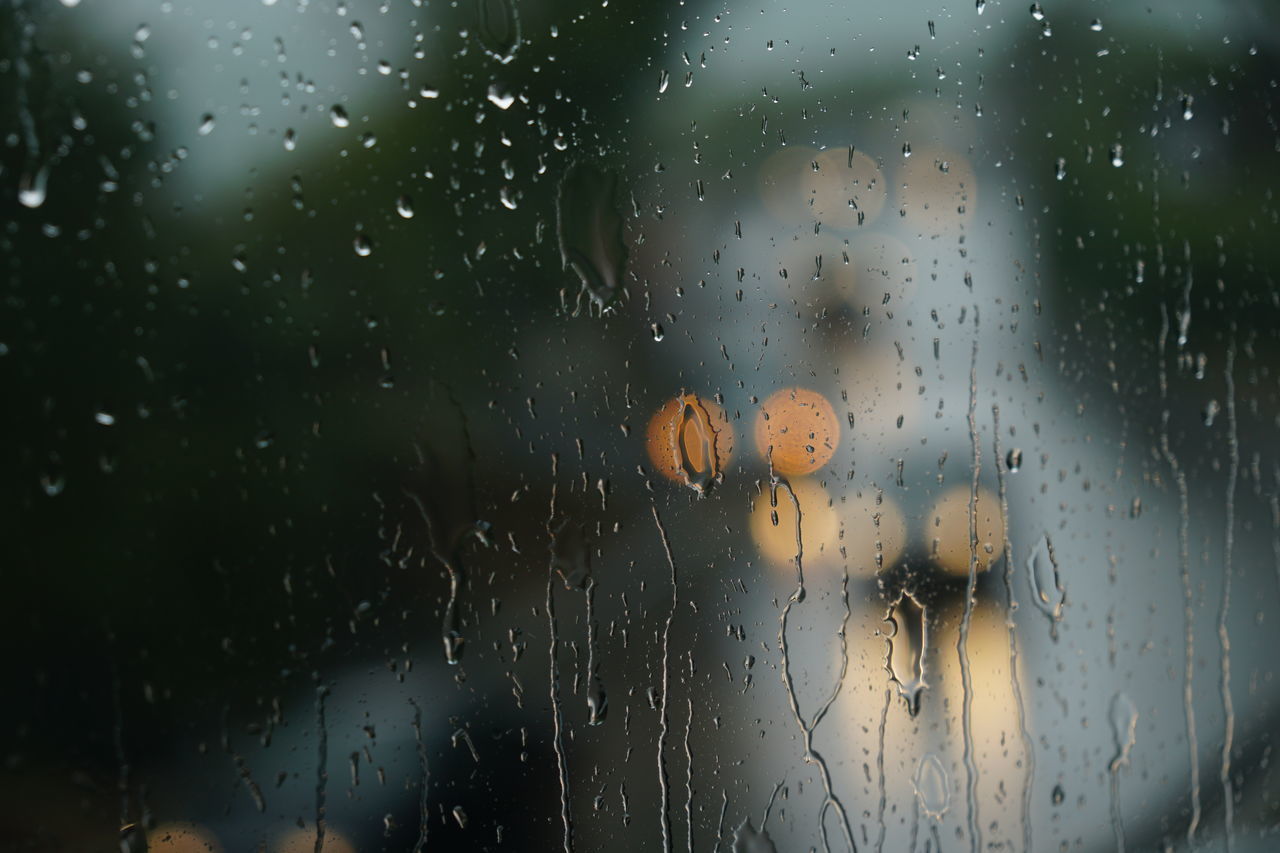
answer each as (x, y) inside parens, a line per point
(845, 190)
(947, 530)
(939, 191)
(690, 440)
(300, 840)
(798, 430)
(819, 524)
(874, 534)
(182, 837)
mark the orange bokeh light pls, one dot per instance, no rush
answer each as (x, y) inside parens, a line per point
(690, 441)
(797, 428)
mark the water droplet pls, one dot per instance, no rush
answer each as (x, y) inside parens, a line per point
(368, 140)
(931, 786)
(404, 207)
(290, 140)
(1046, 584)
(508, 198)
(460, 816)
(906, 149)
(1117, 155)
(105, 418)
(32, 187)
(1037, 12)
(597, 703)
(1058, 795)
(363, 245)
(906, 641)
(500, 96)
(206, 125)
(746, 839)
(1096, 25)
(590, 230)
(429, 92)
(663, 79)
(339, 116)
(498, 28)
(1187, 101)
(1060, 168)
(1124, 729)
(52, 483)
(981, 6)
(1013, 461)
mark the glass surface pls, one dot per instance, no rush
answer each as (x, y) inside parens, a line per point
(494, 424)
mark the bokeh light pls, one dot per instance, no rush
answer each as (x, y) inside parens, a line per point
(845, 191)
(939, 191)
(797, 429)
(304, 841)
(819, 524)
(874, 531)
(182, 837)
(947, 530)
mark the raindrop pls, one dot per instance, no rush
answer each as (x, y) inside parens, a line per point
(1013, 461)
(1058, 795)
(368, 140)
(206, 125)
(290, 140)
(105, 418)
(1096, 25)
(428, 92)
(906, 641)
(1117, 155)
(404, 207)
(931, 786)
(1037, 12)
(906, 149)
(589, 226)
(1060, 169)
(1046, 584)
(500, 96)
(32, 187)
(339, 116)
(507, 196)
(663, 79)
(363, 245)
(52, 483)
(498, 27)
(1187, 101)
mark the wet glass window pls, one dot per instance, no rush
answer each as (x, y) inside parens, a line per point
(503, 425)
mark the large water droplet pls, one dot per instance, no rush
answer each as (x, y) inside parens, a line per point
(907, 639)
(697, 458)
(500, 96)
(1124, 729)
(1046, 584)
(338, 116)
(498, 27)
(590, 230)
(931, 786)
(747, 839)
(31, 187)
